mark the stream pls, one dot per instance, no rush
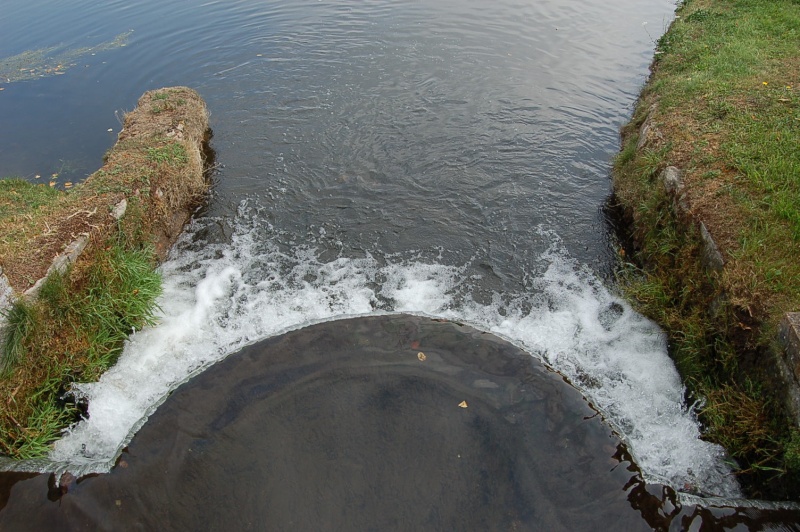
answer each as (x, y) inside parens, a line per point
(430, 178)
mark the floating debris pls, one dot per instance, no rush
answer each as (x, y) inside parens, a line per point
(43, 62)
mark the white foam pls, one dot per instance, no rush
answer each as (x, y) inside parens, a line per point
(619, 360)
(220, 297)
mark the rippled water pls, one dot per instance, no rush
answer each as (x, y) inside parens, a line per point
(441, 158)
(479, 120)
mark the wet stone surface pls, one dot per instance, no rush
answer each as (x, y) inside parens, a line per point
(377, 423)
(343, 426)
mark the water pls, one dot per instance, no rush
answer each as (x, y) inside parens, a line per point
(221, 297)
(344, 425)
(448, 159)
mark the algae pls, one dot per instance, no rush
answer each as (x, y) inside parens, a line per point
(51, 61)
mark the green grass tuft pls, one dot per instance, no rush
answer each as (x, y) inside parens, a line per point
(173, 154)
(87, 314)
(18, 196)
(20, 321)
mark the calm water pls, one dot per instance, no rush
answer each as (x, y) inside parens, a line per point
(442, 158)
(480, 121)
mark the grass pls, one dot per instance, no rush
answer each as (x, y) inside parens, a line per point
(76, 326)
(75, 330)
(24, 207)
(726, 90)
(21, 322)
(18, 196)
(172, 153)
(164, 101)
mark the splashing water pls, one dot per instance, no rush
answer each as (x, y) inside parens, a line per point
(220, 297)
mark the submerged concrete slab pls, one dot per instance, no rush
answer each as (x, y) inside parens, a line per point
(373, 423)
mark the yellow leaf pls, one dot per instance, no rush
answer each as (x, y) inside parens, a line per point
(463, 404)
(421, 356)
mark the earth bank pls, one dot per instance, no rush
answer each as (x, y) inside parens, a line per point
(77, 268)
(708, 186)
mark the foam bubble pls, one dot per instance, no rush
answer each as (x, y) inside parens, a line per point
(619, 360)
(220, 297)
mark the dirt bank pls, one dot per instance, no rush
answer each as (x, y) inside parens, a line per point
(77, 268)
(156, 164)
(707, 183)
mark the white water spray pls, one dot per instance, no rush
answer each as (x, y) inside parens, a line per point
(220, 297)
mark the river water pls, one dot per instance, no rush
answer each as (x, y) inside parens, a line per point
(445, 159)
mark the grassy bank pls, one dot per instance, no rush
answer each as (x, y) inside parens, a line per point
(73, 331)
(69, 316)
(723, 106)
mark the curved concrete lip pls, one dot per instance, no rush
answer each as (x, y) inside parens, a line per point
(381, 422)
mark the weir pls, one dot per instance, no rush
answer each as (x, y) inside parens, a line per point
(380, 421)
(427, 165)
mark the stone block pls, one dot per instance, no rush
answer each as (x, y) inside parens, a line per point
(712, 259)
(789, 337)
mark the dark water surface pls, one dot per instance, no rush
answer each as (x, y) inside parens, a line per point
(469, 115)
(380, 423)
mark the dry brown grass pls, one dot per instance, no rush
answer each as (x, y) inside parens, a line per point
(80, 320)
(166, 191)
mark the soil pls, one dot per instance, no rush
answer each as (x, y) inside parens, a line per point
(165, 190)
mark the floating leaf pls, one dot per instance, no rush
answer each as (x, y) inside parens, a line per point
(463, 404)
(421, 356)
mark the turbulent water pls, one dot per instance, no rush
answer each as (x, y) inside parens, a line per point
(442, 158)
(220, 297)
